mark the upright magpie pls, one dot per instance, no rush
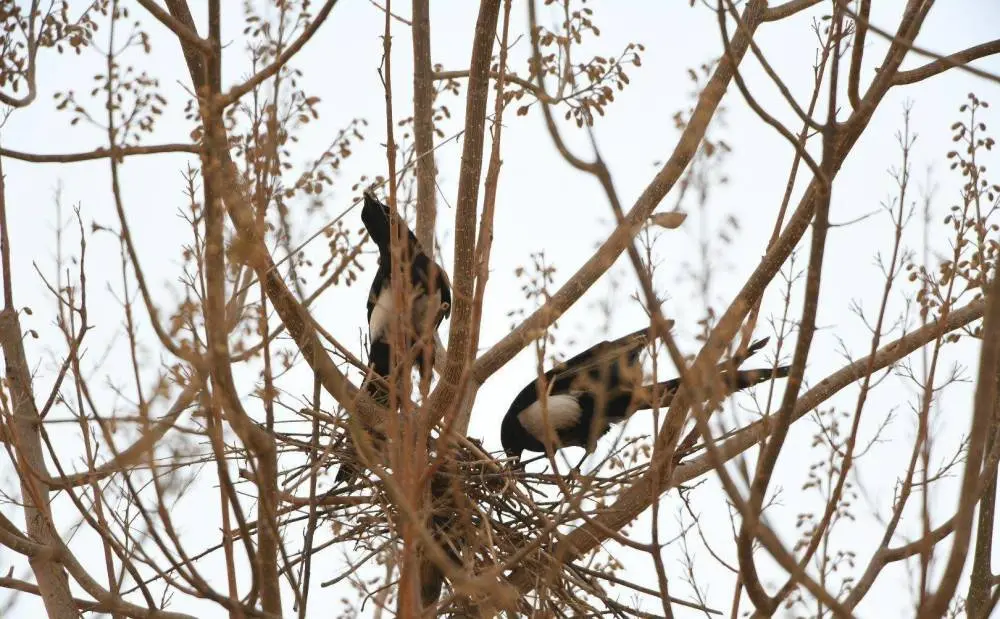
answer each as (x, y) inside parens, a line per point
(597, 388)
(428, 287)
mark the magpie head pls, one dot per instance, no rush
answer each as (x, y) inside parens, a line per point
(376, 216)
(374, 207)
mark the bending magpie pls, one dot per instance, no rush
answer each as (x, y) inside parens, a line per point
(429, 287)
(598, 388)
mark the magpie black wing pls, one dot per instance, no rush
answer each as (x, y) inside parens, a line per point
(423, 268)
(596, 362)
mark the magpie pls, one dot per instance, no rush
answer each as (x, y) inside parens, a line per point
(598, 388)
(429, 287)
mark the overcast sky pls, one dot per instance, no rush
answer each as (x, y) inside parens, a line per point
(542, 204)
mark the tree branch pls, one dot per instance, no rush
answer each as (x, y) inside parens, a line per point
(295, 318)
(463, 279)
(606, 255)
(984, 405)
(100, 153)
(776, 13)
(236, 92)
(423, 125)
(857, 52)
(828, 387)
(187, 34)
(25, 439)
(907, 44)
(942, 64)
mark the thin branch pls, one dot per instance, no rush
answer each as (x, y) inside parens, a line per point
(984, 405)
(857, 52)
(29, 97)
(25, 439)
(188, 35)
(831, 385)
(119, 152)
(236, 92)
(776, 13)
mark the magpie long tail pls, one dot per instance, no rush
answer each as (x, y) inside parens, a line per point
(733, 382)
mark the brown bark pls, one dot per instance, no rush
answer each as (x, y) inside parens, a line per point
(423, 125)
(463, 272)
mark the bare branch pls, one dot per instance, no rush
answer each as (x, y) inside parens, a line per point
(236, 92)
(942, 64)
(788, 9)
(423, 125)
(118, 152)
(460, 327)
(25, 439)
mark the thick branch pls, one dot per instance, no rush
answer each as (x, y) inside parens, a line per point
(188, 34)
(958, 59)
(259, 442)
(637, 497)
(906, 43)
(977, 600)
(423, 125)
(854, 77)
(460, 332)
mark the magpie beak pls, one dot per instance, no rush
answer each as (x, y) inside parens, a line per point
(425, 286)
(578, 401)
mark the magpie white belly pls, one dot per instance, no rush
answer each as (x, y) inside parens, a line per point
(378, 324)
(563, 412)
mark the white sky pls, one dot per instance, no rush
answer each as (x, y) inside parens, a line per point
(542, 204)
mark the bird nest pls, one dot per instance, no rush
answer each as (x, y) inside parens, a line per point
(497, 529)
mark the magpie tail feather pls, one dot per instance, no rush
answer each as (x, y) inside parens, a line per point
(742, 379)
(749, 378)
